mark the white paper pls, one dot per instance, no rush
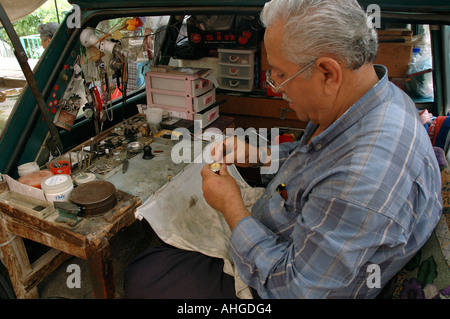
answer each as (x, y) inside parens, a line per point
(17, 187)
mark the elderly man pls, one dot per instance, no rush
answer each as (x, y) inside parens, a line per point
(362, 186)
(47, 31)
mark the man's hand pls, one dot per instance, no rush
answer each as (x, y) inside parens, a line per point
(222, 193)
(235, 151)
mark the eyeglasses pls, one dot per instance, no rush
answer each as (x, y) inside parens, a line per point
(272, 83)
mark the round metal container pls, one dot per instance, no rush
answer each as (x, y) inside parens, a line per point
(135, 147)
(94, 198)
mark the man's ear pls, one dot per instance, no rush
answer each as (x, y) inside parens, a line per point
(331, 74)
(45, 42)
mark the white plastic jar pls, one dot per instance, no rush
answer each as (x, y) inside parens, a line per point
(154, 115)
(26, 168)
(57, 187)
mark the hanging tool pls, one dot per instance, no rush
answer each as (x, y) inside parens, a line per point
(124, 82)
(98, 103)
(91, 150)
(125, 164)
(98, 99)
(107, 99)
(90, 110)
(119, 65)
(105, 94)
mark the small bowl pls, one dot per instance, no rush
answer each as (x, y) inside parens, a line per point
(135, 147)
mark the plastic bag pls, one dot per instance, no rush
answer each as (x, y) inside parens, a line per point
(419, 83)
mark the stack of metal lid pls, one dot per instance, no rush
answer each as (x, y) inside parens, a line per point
(94, 198)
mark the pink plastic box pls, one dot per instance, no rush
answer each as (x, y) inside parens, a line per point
(179, 90)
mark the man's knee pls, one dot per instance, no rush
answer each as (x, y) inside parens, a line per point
(167, 272)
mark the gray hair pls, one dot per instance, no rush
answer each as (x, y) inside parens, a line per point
(314, 28)
(47, 31)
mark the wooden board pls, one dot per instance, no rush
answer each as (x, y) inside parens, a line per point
(395, 51)
(31, 205)
(259, 112)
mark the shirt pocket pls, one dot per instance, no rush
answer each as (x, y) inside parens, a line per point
(276, 203)
(269, 203)
(280, 217)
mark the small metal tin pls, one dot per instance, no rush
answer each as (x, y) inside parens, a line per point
(94, 198)
(135, 147)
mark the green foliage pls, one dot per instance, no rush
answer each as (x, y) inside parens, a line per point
(46, 13)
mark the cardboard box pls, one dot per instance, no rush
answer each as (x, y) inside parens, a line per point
(395, 51)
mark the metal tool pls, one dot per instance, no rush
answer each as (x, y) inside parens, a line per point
(125, 164)
(91, 150)
(215, 167)
(147, 152)
(68, 213)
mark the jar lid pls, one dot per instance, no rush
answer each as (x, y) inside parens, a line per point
(57, 182)
(28, 166)
(35, 178)
(83, 178)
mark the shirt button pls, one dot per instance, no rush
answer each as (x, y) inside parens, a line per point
(286, 172)
(319, 146)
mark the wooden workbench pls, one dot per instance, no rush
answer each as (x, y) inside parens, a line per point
(89, 240)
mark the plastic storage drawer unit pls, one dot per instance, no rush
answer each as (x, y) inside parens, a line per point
(179, 90)
(236, 69)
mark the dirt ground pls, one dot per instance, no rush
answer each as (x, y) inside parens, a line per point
(125, 247)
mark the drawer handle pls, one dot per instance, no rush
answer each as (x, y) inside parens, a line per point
(204, 83)
(208, 99)
(234, 83)
(234, 71)
(212, 115)
(234, 58)
(283, 113)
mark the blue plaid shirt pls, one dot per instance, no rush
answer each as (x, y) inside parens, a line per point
(367, 191)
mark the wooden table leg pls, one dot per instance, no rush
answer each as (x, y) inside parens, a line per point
(17, 263)
(101, 268)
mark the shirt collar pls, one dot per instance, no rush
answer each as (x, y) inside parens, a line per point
(375, 96)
